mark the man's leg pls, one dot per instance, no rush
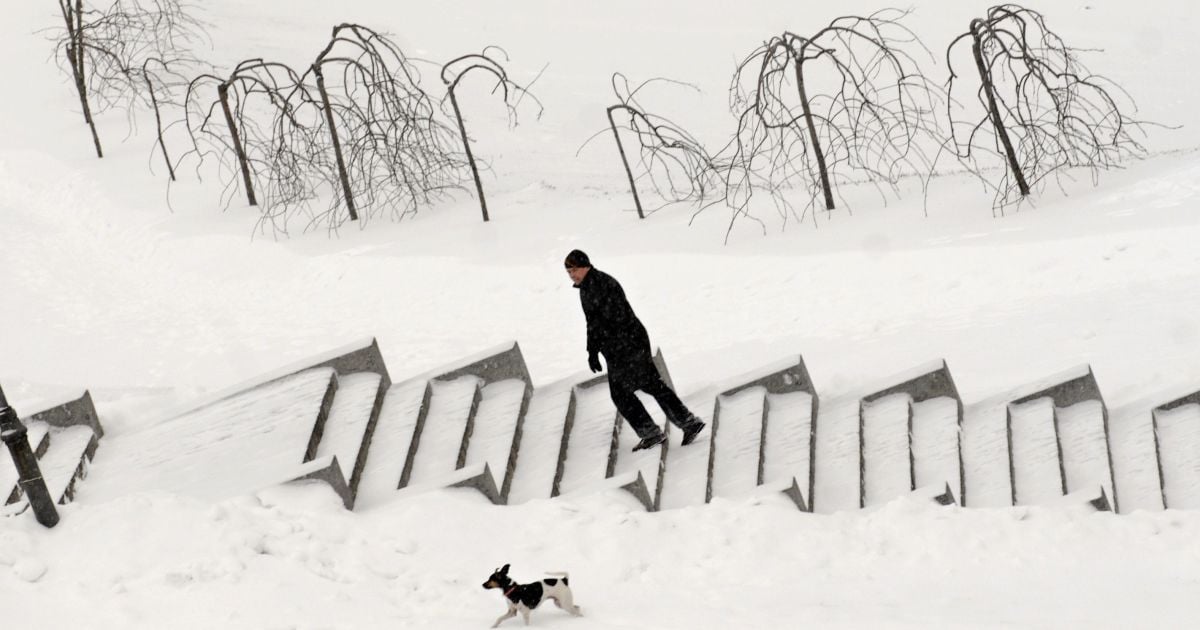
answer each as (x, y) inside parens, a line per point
(672, 406)
(631, 408)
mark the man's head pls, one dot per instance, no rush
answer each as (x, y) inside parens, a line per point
(578, 265)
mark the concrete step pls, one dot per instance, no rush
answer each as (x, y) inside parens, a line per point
(352, 417)
(228, 447)
(787, 448)
(908, 424)
(1177, 428)
(325, 469)
(498, 428)
(1059, 440)
(648, 463)
(1135, 457)
(541, 444)
(446, 423)
(736, 438)
(390, 442)
(838, 467)
(759, 433)
(1083, 440)
(477, 476)
(936, 447)
(987, 475)
(887, 470)
(443, 434)
(686, 477)
(66, 460)
(1037, 472)
(628, 483)
(591, 441)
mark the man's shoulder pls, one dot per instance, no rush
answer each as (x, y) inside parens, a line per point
(602, 278)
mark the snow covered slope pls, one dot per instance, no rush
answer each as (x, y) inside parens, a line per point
(107, 286)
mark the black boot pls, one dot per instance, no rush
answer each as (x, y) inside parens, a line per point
(650, 441)
(691, 430)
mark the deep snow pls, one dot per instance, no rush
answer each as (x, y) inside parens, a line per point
(106, 287)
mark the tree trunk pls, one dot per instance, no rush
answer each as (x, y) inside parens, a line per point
(812, 132)
(462, 129)
(223, 93)
(337, 144)
(75, 57)
(628, 172)
(158, 126)
(994, 111)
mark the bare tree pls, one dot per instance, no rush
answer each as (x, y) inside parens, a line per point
(676, 165)
(264, 131)
(1040, 109)
(355, 128)
(847, 101)
(392, 151)
(133, 52)
(455, 70)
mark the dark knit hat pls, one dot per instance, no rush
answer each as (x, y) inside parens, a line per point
(577, 259)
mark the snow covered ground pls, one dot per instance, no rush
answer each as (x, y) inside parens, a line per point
(105, 287)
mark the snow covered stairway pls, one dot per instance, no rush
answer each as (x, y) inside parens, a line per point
(1034, 446)
(268, 430)
(596, 448)
(1177, 441)
(899, 437)
(347, 433)
(759, 439)
(479, 423)
(64, 436)
(909, 438)
(547, 422)
(467, 429)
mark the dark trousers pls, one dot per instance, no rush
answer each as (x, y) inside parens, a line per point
(628, 404)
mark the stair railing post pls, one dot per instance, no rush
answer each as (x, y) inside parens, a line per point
(29, 476)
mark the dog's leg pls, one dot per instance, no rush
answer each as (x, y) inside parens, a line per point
(512, 612)
(568, 603)
(525, 614)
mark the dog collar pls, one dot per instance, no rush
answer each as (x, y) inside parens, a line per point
(510, 590)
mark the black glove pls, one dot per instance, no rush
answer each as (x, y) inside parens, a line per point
(594, 362)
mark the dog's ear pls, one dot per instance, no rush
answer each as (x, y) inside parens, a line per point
(504, 569)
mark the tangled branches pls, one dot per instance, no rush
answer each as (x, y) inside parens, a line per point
(283, 154)
(394, 154)
(134, 52)
(678, 167)
(355, 128)
(454, 71)
(847, 98)
(1044, 110)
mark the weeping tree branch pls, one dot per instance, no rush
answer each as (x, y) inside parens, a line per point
(132, 53)
(1043, 110)
(355, 128)
(282, 153)
(847, 101)
(454, 71)
(677, 165)
(395, 154)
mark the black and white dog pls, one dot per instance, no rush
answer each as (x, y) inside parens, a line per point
(523, 598)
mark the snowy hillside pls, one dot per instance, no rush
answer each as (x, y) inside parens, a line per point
(150, 298)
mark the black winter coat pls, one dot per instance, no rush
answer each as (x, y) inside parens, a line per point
(613, 329)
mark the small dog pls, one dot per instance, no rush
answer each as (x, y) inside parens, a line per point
(523, 598)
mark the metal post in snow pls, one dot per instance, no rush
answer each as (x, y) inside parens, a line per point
(29, 475)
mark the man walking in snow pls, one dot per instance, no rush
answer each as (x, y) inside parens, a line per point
(615, 332)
